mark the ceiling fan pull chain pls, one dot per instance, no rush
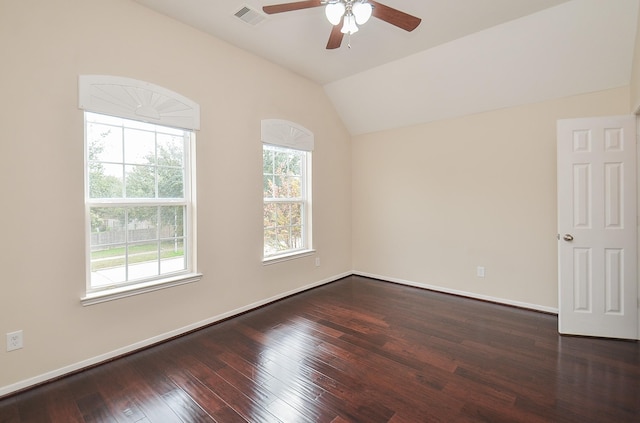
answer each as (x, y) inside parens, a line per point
(349, 40)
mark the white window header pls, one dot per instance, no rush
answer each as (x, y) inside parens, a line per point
(286, 134)
(132, 99)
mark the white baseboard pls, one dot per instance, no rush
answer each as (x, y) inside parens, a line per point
(473, 295)
(55, 374)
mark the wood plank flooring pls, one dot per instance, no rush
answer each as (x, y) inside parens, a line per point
(357, 350)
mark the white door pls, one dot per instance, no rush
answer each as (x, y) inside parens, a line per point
(597, 227)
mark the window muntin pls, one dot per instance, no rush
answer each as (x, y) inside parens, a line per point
(138, 201)
(286, 196)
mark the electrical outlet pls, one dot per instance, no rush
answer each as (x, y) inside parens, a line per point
(480, 271)
(317, 261)
(14, 340)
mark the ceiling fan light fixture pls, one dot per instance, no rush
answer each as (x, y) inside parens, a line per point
(362, 11)
(349, 26)
(347, 15)
(334, 12)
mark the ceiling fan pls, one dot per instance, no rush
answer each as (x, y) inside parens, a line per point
(350, 13)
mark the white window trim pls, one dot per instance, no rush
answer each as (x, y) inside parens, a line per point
(140, 288)
(288, 256)
(138, 100)
(286, 134)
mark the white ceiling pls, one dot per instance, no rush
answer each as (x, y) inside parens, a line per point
(467, 56)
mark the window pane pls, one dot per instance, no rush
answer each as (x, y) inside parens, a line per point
(270, 242)
(295, 217)
(267, 161)
(292, 186)
(279, 189)
(282, 173)
(294, 164)
(170, 182)
(284, 239)
(142, 224)
(173, 258)
(107, 225)
(172, 221)
(107, 257)
(171, 159)
(283, 211)
(282, 227)
(170, 150)
(139, 147)
(280, 162)
(296, 237)
(105, 180)
(270, 215)
(141, 181)
(105, 143)
(267, 186)
(108, 248)
(143, 261)
(108, 265)
(119, 252)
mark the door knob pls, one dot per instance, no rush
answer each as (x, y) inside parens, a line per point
(568, 237)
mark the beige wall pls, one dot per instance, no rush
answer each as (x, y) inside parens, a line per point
(45, 45)
(433, 202)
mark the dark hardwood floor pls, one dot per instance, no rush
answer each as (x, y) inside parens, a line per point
(357, 350)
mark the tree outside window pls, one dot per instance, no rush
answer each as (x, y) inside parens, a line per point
(137, 200)
(285, 202)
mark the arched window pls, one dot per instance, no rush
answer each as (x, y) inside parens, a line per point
(286, 159)
(139, 175)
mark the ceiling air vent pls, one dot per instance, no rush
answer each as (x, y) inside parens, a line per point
(250, 16)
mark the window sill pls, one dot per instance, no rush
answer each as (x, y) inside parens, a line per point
(141, 288)
(286, 257)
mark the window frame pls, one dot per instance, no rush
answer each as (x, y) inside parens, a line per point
(112, 96)
(289, 136)
(304, 199)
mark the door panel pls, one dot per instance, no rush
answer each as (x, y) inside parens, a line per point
(582, 195)
(597, 229)
(614, 265)
(582, 279)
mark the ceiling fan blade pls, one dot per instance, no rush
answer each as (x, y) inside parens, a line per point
(335, 38)
(288, 7)
(394, 16)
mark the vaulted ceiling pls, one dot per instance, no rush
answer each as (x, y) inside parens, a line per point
(466, 56)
